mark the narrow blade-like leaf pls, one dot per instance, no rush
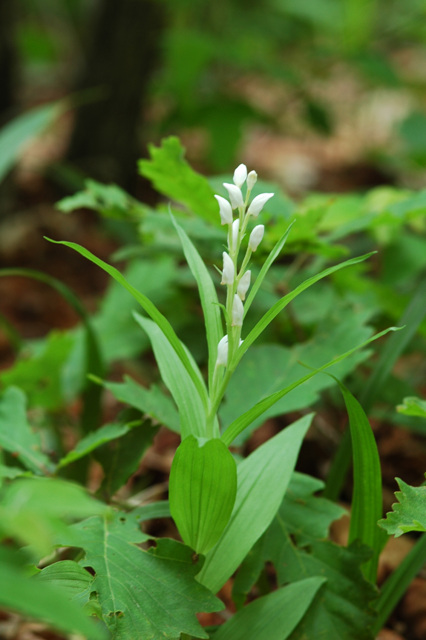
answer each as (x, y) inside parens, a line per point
(208, 296)
(150, 309)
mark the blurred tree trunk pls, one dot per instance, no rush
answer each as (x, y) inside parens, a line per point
(7, 58)
(121, 56)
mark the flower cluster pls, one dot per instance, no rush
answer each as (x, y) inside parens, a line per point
(237, 280)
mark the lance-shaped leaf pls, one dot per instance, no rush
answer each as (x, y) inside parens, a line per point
(179, 383)
(208, 296)
(263, 479)
(203, 485)
(143, 594)
(274, 616)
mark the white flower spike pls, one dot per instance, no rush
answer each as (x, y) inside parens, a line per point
(243, 285)
(251, 180)
(240, 175)
(228, 273)
(235, 195)
(225, 210)
(222, 352)
(258, 203)
(256, 237)
(237, 312)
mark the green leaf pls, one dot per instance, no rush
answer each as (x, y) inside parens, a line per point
(96, 439)
(208, 297)
(343, 608)
(203, 485)
(302, 515)
(35, 510)
(367, 492)
(413, 406)
(48, 603)
(274, 616)
(153, 592)
(285, 300)
(39, 374)
(151, 402)
(268, 368)
(21, 129)
(70, 578)
(409, 513)
(151, 310)
(239, 424)
(120, 458)
(174, 375)
(16, 435)
(263, 478)
(172, 176)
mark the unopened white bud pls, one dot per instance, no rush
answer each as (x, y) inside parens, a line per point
(228, 273)
(256, 237)
(243, 285)
(225, 210)
(240, 175)
(235, 229)
(235, 195)
(237, 312)
(251, 180)
(222, 352)
(258, 203)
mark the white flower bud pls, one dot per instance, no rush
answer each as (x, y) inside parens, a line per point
(237, 312)
(235, 195)
(228, 273)
(222, 352)
(243, 285)
(235, 229)
(240, 175)
(258, 203)
(251, 180)
(225, 210)
(256, 237)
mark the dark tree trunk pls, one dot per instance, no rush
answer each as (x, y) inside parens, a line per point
(7, 59)
(121, 57)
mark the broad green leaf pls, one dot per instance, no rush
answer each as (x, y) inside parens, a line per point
(263, 478)
(343, 607)
(151, 402)
(70, 578)
(302, 515)
(208, 297)
(45, 602)
(18, 132)
(367, 492)
(172, 176)
(120, 458)
(96, 439)
(109, 199)
(413, 407)
(409, 513)
(268, 368)
(151, 310)
(239, 424)
(203, 485)
(35, 510)
(39, 374)
(274, 616)
(16, 435)
(174, 375)
(154, 591)
(285, 300)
